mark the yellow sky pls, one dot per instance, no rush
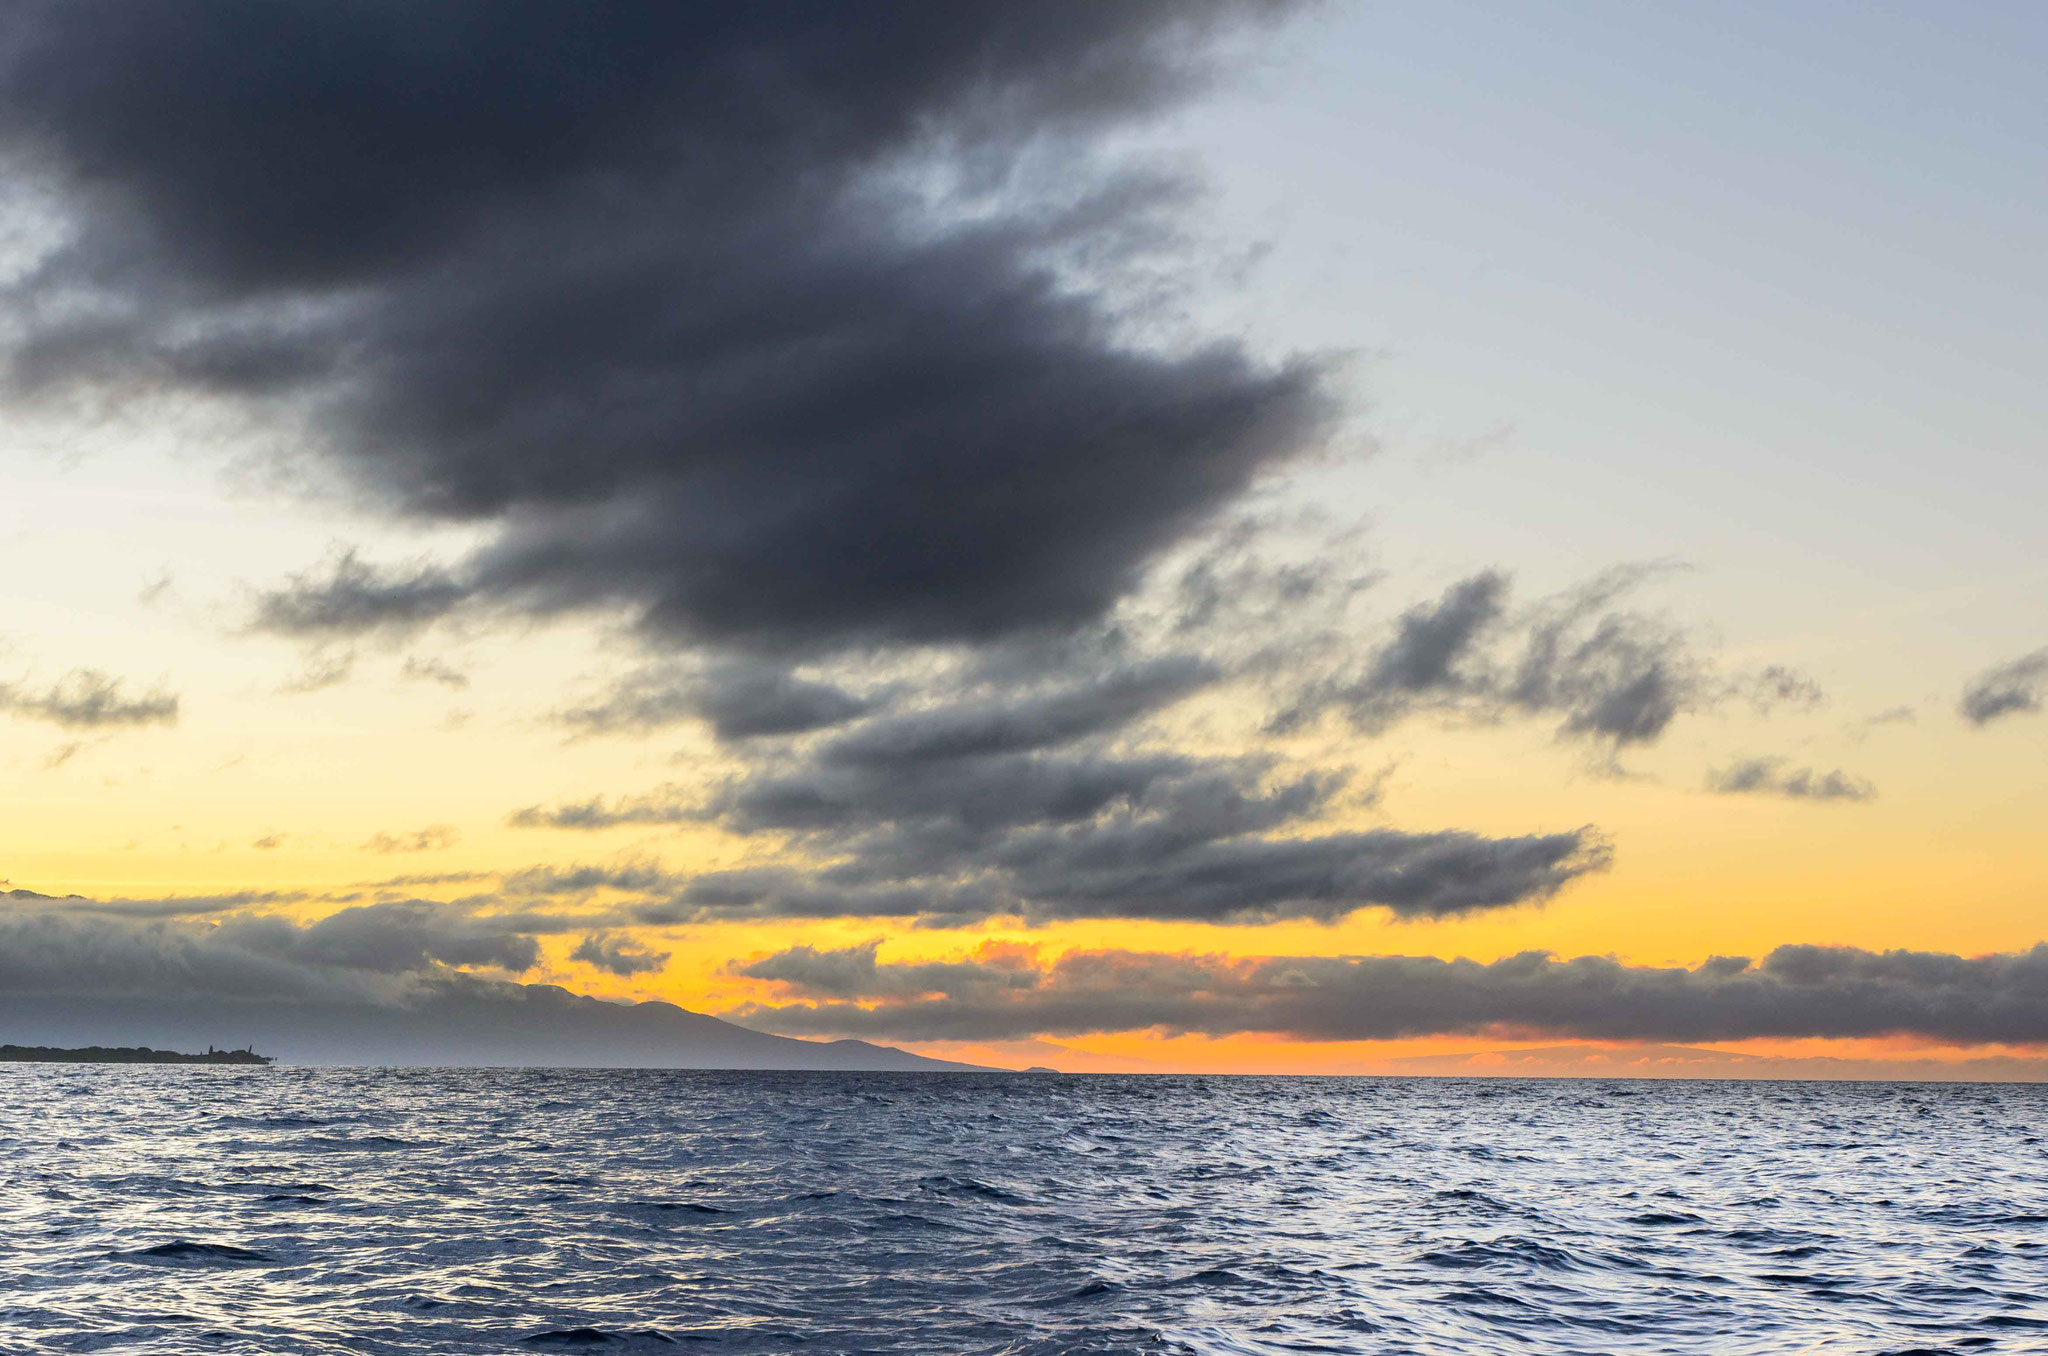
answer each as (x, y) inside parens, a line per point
(1945, 859)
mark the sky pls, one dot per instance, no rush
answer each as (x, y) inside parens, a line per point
(1278, 537)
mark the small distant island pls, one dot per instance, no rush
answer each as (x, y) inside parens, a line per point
(123, 1054)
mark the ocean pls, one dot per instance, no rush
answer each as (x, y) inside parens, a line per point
(301, 1210)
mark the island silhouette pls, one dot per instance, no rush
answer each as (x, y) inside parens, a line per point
(123, 1054)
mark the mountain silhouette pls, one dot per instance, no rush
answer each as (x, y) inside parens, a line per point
(455, 1024)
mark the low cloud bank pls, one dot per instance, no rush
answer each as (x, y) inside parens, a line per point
(388, 983)
(1679, 1061)
(1003, 993)
(224, 947)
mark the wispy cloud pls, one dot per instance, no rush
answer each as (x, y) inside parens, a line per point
(2013, 688)
(1771, 777)
(1607, 674)
(433, 838)
(87, 699)
(422, 669)
(321, 671)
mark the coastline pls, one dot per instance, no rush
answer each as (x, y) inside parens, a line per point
(123, 1054)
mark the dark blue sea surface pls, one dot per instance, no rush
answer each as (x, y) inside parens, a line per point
(306, 1210)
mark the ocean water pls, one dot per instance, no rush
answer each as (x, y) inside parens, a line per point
(307, 1210)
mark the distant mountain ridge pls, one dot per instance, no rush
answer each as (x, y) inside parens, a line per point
(454, 1023)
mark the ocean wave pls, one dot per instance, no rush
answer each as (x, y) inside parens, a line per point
(399, 1212)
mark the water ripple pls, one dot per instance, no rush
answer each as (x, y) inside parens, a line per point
(179, 1210)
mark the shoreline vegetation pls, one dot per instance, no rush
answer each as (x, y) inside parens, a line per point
(123, 1054)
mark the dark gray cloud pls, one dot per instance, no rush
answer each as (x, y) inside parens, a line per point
(1153, 871)
(55, 951)
(1049, 839)
(781, 327)
(737, 698)
(1012, 723)
(1146, 874)
(88, 700)
(1795, 991)
(2013, 688)
(401, 937)
(1771, 777)
(918, 818)
(349, 597)
(1042, 788)
(1429, 650)
(1060, 836)
(798, 336)
(160, 906)
(854, 972)
(616, 956)
(1608, 675)
(985, 758)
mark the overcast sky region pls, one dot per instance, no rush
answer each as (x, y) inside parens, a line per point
(1182, 535)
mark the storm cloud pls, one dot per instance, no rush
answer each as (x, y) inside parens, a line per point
(777, 327)
(1003, 993)
(823, 346)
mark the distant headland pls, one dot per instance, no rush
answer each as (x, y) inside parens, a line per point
(123, 1054)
